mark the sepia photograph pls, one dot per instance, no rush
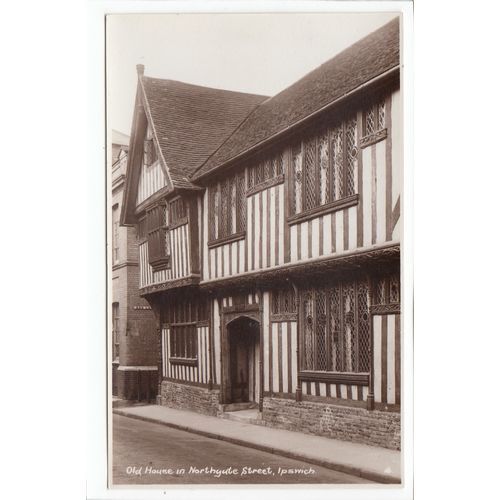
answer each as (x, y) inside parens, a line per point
(255, 232)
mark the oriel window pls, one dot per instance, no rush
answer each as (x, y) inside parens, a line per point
(158, 237)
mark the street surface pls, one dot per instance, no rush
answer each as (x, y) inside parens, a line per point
(149, 453)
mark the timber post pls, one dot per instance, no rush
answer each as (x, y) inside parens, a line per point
(261, 350)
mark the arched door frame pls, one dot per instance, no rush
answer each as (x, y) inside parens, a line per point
(228, 316)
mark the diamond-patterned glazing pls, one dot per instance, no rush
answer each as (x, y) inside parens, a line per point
(297, 175)
(352, 155)
(308, 331)
(394, 289)
(224, 208)
(381, 115)
(349, 326)
(363, 328)
(324, 170)
(337, 152)
(321, 347)
(241, 202)
(335, 325)
(370, 121)
(310, 177)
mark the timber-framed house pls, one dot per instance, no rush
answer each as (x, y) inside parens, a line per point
(269, 244)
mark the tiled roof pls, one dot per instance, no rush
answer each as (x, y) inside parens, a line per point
(191, 122)
(356, 65)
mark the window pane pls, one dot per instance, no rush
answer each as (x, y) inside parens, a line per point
(215, 214)
(310, 175)
(308, 332)
(324, 171)
(337, 151)
(321, 349)
(224, 208)
(241, 202)
(370, 121)
(349, 327)
(335, 325)
(381, 115)
(394, 289)
(363, 329)
(352, 155)
(232, 211)
(297, 176)
(251, 175)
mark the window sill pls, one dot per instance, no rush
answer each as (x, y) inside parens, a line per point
(377, 136)
(183, 361)
(335, 377)
(333, 206)
(227, 239)
(274, 181)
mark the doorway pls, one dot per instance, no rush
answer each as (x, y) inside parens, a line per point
(243, 380)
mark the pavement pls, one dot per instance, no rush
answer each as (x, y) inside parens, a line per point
(376, 464)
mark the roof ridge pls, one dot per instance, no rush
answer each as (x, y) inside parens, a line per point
(383, 40)
(330, 59)
(204, 87)
(227, 138)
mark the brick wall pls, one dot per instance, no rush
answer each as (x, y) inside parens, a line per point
(376, 428)
(137, 385)
(189, 397)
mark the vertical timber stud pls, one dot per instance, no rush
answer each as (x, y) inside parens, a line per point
(287, 191)
(222, 354)
(211, 344)
(298, 390)
(160, 363)
(261, 351)
(370, 401)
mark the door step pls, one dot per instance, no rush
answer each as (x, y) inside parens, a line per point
(238, 406)
(251, 416)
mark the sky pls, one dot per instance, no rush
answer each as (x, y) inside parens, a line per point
(255, 53)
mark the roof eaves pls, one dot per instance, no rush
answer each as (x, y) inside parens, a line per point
(281, 132)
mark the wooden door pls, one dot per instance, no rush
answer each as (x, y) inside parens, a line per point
(239, 365)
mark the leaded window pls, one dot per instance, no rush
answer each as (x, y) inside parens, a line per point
(374, 118)
(335, 328)
(297, 178)
(386, 289)
(150, 156)
(227, 209)
(184, 341)
(177, 212)
(266, 168)
(324, 167)
(158, 237)
(283, 301)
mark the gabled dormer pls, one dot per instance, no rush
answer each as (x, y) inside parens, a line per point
(176, 127)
